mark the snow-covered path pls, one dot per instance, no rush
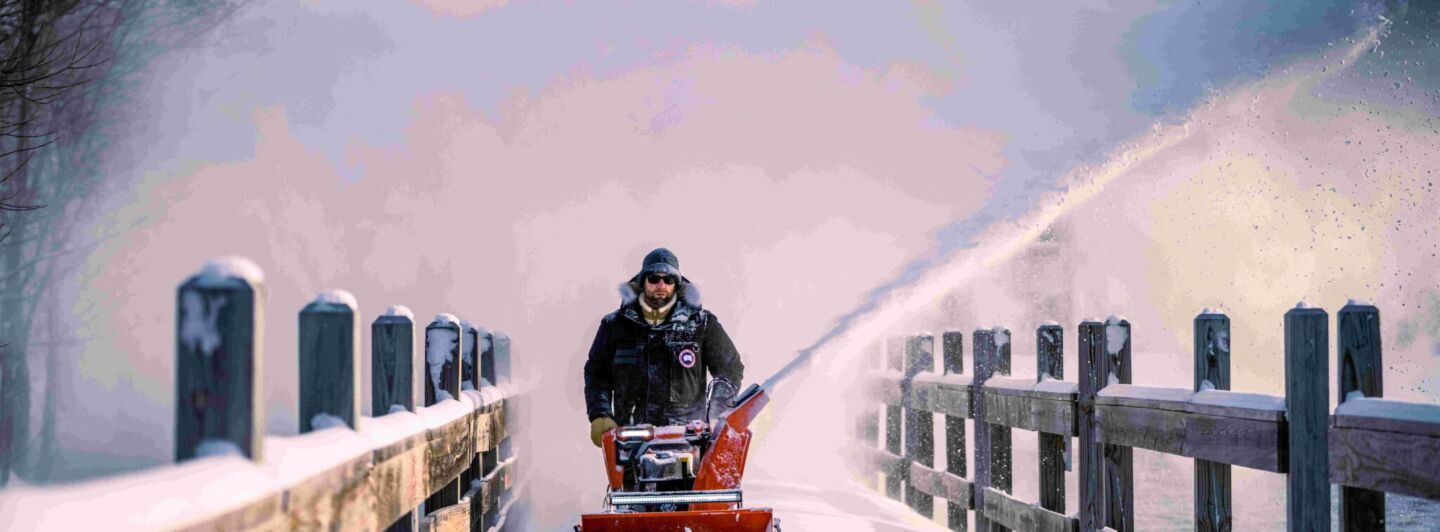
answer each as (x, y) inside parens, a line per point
(849, 506)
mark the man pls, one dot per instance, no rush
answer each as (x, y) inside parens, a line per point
(649, 358)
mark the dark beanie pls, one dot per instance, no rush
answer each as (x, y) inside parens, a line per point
(661, 260)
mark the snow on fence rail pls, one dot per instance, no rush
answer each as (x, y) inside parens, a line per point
(1369, 446)
(444, 464)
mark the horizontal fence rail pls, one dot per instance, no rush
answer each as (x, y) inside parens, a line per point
(436, 455)
(1368, 445)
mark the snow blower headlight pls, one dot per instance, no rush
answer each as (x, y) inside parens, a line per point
(636, 434)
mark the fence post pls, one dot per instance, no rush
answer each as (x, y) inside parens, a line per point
(392, 362)
(329, 360)
(1049, 350)
(487, 358)
(392, 377)
(1358, 365)
(1307, 496)
(992, 442)
(1090, 341)
(920, 424)
(893, 432)
(1212, 370)
(1119, 460)
(953, 344)
(470, 357)
(442, 359)
(218, 338)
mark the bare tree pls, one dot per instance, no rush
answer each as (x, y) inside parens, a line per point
(67, 70)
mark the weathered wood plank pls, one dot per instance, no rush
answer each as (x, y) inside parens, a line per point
(919, 423)
(329, 361)
(452, 518)
(449, 447)
(1052, 418)
(1385, 461)
(1307, 343)
(993, 453)
(1359, 372)
(398, 478)
(393, 365)
(953, 400)
(1224, 440)
(955, 404)
(218, 361)
(1091, 344)
(952, 488)
(1146, 428)
(1119, 462)
(1019, 515)
(338, 499)
(1236, 441)
(1008, 410)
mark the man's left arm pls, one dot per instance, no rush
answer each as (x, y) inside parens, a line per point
(723, 362)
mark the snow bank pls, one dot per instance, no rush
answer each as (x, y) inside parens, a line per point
(386, 430)
(291, 460)
(444, 412)
(160, 498)
(446, 318)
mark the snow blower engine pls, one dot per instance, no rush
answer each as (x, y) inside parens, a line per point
(682, 477)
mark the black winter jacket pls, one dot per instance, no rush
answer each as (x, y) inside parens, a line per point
(637, 373)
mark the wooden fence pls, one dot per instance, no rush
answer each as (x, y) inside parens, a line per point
(1368, 445)
(437, 456)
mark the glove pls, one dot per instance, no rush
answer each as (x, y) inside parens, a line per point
(598, 427)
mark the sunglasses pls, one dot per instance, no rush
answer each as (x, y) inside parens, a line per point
(657, 279)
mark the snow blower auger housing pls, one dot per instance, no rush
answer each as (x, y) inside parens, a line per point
(681, 478)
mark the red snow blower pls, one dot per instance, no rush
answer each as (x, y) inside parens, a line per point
(681, 478)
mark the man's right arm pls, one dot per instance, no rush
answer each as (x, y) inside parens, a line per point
(599, 379)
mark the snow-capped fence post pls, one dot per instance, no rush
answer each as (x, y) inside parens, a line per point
(392, 362)
(919, 423)
(893, 361)
(1307, 497)
(1090, 342)
(1049, 363)
(1212, 370)
(953, 345)
(1119, 460)
(218, 339)
(992, 442)
(442, 358)
(502, 357)
(470, 380)
(329, 356)
(470, 357)
(487, 357)
(489, 459)
(1358, 364)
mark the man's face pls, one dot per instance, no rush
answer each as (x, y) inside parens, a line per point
(658, 288)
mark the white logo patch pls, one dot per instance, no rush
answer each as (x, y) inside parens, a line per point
(687, 358)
